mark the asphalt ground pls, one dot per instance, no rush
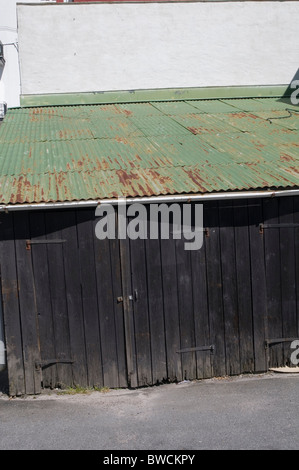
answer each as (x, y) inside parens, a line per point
(254, 412)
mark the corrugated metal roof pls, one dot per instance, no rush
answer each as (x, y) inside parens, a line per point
(69, 153)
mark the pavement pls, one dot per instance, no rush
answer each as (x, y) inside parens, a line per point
(250, 412)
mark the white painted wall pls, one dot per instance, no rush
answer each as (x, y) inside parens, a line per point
(9, 75)
(98, 47)
(9, 78)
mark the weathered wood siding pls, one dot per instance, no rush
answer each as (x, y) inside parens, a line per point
(64, 325)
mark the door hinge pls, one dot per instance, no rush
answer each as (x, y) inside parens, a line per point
(40, 364)
(199, 348)
(41, 242)
(267, 226)
(268, 342)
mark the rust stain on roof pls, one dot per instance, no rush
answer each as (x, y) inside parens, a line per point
(287, 158)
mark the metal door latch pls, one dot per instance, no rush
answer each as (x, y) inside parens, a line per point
(130, 297)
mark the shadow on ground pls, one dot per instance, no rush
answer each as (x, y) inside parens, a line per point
(4, 382)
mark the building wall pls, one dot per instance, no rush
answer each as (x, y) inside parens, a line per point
(10, 74)
(123, 46)
(66, 298)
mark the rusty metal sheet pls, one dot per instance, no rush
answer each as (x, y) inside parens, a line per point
(172, 108)
(69, 153)
(139, 109)
(248, 122)
(214, 106)
(76, 186)
(205, 124)
(284, 117)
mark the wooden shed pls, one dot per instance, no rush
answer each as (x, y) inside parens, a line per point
(129, 313)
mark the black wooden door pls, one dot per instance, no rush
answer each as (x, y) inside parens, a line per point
(57, 288)
(77, 281)
(165, 311)
(146, 298)
(150, 314)
(280, 233)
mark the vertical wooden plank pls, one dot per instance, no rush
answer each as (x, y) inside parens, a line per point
(185, 300)
(12, 326)
(54, 221)
(273, 280)
(129, 326)
(118, 312)
(214, 282)
(287, 275)
(106, 312)
(296, 236)
(85, 229)
(258, 285)
(30, 337)
(229, 287)
(171, 310)
(43, 297)
(201, 312)
(141, 314)
(156, 311)
(243, 273)
(74, 297)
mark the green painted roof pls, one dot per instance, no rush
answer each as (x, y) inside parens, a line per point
(73, 153)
